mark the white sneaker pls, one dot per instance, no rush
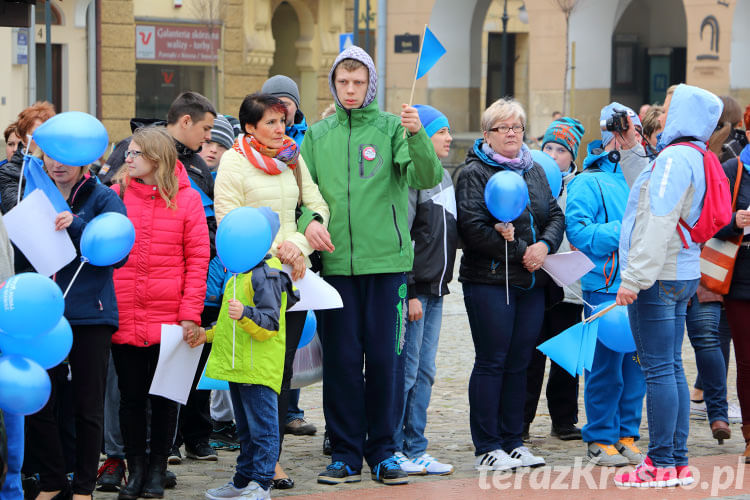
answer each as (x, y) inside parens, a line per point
(698, 410)
(226, 491)
(496, 460)
(255, 492)
(410, 467)
(734, 413)
(432, 466)
(527, 458)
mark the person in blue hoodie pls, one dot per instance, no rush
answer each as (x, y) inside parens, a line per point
(614, 388)
(286, 89)
(660, 273)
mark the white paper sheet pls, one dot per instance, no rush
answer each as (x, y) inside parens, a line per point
(176, 367)
(567, 267)
(314, 292)
(31, 226)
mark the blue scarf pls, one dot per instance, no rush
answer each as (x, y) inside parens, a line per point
(745, 158)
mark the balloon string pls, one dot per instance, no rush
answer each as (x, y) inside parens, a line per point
(74, 278)
(234, 323)
(507, 299)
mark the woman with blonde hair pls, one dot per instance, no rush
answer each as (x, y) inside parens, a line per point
(163, 282)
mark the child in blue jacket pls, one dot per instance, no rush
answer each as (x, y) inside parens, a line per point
(614, 388)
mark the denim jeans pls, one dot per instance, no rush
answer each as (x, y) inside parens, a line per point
(614, 390)
(702, 329)
(293, 410)
(657, 319)
(504, 338)
(725, 341)
(12, 489)
(419, 375)
(256, 414)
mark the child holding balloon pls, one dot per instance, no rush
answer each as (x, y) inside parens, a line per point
(252, 360)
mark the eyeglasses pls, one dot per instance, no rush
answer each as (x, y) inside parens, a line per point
(504, 129)
(132, 154)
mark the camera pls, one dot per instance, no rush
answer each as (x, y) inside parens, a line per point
(618, 122)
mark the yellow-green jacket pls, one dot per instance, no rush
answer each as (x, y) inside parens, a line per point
(254, 352)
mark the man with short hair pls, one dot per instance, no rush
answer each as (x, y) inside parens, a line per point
(364, 162)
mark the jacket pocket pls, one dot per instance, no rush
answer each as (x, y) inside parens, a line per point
(395, 225)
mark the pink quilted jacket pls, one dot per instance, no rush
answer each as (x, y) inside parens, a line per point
(164, 280)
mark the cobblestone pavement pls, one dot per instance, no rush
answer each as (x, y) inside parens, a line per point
(447, 427)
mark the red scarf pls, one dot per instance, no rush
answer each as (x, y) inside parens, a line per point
(271, 161)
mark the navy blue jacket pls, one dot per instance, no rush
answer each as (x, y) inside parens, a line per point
(91, 300)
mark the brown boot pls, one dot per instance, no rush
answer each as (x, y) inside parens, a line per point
(746, 435)
(720, 430)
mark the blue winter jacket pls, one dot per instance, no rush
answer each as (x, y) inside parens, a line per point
(297, 130)
(650, 246)
(593, 214)
(218, 276)
(91, 300)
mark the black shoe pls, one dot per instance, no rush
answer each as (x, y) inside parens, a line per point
(389, 472)
(111, 474)
(567, 432)
(201, 451)
(339, 472)
(170, 480)
(224, 436)
(285, 483)
(30, 486)
(154, 487)
(327, 449)
(136, 479)
(175, 457)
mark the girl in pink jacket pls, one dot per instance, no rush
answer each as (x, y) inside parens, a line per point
(163, 282)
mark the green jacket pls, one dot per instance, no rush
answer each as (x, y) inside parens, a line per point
(259, 339)
(364, 167)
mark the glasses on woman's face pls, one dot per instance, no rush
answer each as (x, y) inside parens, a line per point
(504, 129)
(132, 153)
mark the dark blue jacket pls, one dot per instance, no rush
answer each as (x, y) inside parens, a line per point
(91, 300)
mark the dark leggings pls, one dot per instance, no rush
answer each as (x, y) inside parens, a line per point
(295, 322)
(88, 361)
(738, 312)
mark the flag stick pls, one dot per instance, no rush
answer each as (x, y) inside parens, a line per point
(23, 164)
(83, 261)
(600, 313)
(416, 70)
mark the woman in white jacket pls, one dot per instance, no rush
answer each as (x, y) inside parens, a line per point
(264, 168)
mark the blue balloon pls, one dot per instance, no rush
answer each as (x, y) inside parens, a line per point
(72, 138)
(24, 385)
(243, 239)
(614, 328)
(48, 349)
(308, 332)
(107, 239)
(31, 305)
(506, 195)
(554, 176)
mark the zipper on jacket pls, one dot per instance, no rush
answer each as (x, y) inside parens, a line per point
(398, 232)
(445, 244)
(349, 194)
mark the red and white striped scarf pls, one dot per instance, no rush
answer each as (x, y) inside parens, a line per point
(258, 155)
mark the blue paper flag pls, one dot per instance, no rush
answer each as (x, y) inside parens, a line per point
(211, 384)
(565, 348)
(431, 51)
(589, 344)
(37, 178)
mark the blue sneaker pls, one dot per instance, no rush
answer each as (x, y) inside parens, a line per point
(389, 472)
(339, 472)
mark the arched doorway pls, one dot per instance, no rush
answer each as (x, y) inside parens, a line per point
(286, 29)
(648, 54)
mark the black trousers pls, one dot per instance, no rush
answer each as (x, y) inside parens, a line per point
(88, 361)
(562, 388)
(295, 323)
(135, 370)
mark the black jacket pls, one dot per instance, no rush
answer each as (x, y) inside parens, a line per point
(740, 288)
(483, 258)
(432, 221)
(9, 174)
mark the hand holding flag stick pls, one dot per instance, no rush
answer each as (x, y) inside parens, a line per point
(429, 53)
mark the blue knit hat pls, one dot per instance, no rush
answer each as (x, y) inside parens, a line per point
(432, 119)
(567, 132)
(608, 111)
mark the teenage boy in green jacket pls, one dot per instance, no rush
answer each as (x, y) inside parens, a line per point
(364, 165)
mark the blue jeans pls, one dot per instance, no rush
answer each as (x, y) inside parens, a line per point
(702, 329)
(419, 375)
(725, 340)
(657, 319)
(293, 410)
(504, 339)
(256, 415)
(614, 390)
(12, 489)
